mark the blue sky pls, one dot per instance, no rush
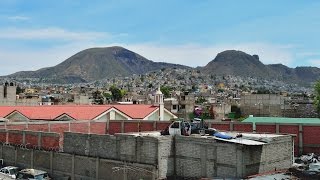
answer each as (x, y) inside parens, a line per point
(42, 33)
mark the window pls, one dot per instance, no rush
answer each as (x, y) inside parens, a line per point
(175, 125)
(13, 171)
(174, 107)
(183, 106)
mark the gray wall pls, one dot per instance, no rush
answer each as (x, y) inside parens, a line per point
(156, 151)
(124, 156)
(60, 165)
(187, 157)
(204, 157)
(275, 155)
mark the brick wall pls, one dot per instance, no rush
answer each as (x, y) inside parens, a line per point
(266, 128)
(242, 127)
(79, 127)
(30, 139)
(162, 125)
(15, 137)
(146, 126)
(221, 126)
(131, 127)
(38, 127)
(311, 140)
(3, 135)
(306, 140)
(114, 127)
(98, 128)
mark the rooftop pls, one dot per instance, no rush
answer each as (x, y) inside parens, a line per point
(282, 120)
(250, 139)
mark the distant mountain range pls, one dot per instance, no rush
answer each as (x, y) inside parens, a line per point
(239, 63)
(99, 63)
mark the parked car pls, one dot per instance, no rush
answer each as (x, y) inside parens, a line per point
(33, 174)
(9, 171)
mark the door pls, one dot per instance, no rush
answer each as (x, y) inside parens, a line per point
(175, 128)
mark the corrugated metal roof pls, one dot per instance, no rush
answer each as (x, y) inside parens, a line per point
(282, 120)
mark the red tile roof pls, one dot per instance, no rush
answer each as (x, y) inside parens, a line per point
(136, 111)
(5, 110)
(52, 112)
(78, 112)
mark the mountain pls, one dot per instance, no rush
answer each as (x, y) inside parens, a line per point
(100, 63)
(238, 63)
(97, 63)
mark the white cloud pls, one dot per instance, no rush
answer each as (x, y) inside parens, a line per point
(199, 55)
(19, 18)
(14, 60)
(314, 62)
(307, 54)
(52, 33)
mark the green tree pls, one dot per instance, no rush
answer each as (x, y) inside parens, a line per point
(19, 90)
(123, 92)
(97, 97)
(317, 97)
(237, 111)
(107, 95)
(200, 100)
(166, 91)
(116, 93)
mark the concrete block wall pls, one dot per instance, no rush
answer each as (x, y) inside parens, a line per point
(103, 146)
(8, 154)
(128, 148)
(276, 155)
(166, 157)
(305, 141)
(77, 167)
(122, 147)
(204, 157)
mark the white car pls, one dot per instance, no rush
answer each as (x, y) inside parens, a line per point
(33, 174)
(9, 171)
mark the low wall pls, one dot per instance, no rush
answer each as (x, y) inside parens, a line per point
(205, 157)
(185, 156)
(76, 167)
(306, 140)
(156, 151)
(30, 139)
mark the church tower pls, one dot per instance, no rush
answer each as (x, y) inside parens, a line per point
(158, 101)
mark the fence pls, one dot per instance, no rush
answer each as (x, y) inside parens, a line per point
(63, 165)
(306, 135)
(90, 127)
(31, 139)
(306, 140)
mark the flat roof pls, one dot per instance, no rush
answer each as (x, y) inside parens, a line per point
(246, 138)
(282, 120)
(241, 141)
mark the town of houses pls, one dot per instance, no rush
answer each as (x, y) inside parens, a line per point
(184, 90)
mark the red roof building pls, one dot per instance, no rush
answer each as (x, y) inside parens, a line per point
(84, 112)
